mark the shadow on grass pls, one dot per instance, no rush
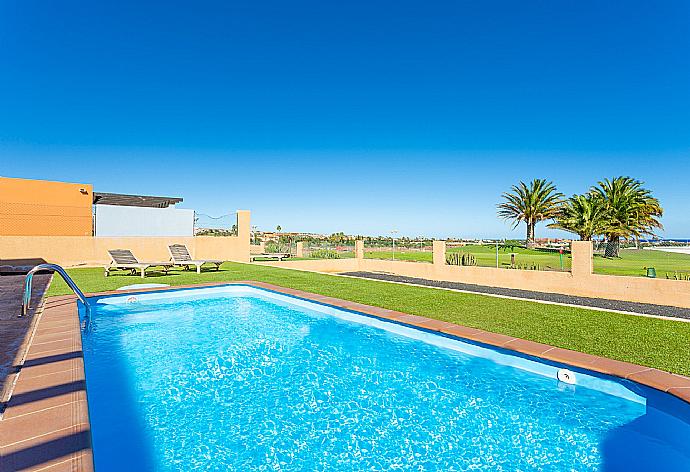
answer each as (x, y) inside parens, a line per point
(137, 276)
(160, 273)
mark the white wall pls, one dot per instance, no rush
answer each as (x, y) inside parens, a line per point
(112, 220)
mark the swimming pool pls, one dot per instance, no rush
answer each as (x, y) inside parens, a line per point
(240, 378)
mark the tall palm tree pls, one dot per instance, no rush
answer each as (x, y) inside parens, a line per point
(631, 208)
(530, 204)
(585, 215)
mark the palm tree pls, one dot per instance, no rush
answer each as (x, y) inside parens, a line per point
(337, 238)
(278, 228)
(585, 215)
(632, 211)
(530, 204)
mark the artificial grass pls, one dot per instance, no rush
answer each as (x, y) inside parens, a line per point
(631, 262)
(647, 341)
(485, 256)
(634, 261)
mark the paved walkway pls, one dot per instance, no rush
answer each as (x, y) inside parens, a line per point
(13, 329)
(640, 308)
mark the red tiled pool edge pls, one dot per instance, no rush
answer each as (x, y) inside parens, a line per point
(46, 423)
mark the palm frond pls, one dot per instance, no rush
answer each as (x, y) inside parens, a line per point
(530, 203)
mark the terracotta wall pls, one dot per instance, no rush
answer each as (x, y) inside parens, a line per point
(257, 248)
(634, 289)
(90, 251)
(71, 251)
(231, 248)
(316, 265)
(580, 281)
(44, 208)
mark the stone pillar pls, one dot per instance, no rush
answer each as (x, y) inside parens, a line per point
(439, 253)
(299, 251)
(359, 249)
(581, 253)
(244, 233)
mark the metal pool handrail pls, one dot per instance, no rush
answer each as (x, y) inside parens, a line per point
(55, 268)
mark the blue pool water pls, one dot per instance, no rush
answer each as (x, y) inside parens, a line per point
(243, 379)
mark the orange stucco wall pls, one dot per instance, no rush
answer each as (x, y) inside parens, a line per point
(45, 208)
(93, 251)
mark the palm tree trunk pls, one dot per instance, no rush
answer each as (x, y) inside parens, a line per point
(530, 235)
(613, 245)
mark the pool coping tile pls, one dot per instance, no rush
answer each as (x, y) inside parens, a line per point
(50, 402)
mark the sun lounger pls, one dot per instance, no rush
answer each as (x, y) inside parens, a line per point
(275, 255)
(124, 259)
(180, 256)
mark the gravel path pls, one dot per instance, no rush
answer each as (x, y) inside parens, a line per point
(641, 308)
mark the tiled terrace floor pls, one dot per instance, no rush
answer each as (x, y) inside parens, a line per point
(13, 329)
(45, 425)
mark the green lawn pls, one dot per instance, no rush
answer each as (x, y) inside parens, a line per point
(648, 341)
(632, 261)
(485, 256)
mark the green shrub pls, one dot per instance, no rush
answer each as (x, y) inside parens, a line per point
(461, 259)
(272, 247)
(526, 266)
(325, 254)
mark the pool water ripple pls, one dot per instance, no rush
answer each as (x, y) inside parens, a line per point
(245, 383)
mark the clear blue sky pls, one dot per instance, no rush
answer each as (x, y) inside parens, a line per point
(349, 116)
